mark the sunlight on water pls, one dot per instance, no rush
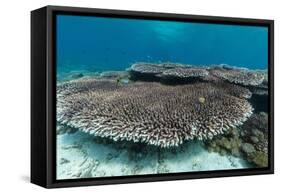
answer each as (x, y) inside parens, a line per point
(171, 32)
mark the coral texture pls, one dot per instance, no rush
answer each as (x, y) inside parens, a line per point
(239, 76)
(150, 112)
(152, 71)
(255, 131)
(148, 68)
(229, 143)
(249, 141)
(185, 72)
(261, 89)
(169, 73)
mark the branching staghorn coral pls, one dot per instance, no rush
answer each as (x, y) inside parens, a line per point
(150, 112)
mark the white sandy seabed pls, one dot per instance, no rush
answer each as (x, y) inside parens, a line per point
(80, 155)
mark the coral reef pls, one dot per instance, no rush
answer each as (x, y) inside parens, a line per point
(261, 89)
(183, 73)
(151, 112)
(234, 90)
(155, 68)
(147, 68)
(152, 71)
(239, 76)
(117, 123)
(85, 85)
(255, 80)
(249, 141)
(168, 73)
(255, 132)
(228, 143)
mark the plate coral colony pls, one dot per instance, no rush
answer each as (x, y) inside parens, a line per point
(172, 97)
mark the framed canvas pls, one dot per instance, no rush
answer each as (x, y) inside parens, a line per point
(125, 96)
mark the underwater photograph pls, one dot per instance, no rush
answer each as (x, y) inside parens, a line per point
(142, 97)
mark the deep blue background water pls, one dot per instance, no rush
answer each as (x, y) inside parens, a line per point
(101, 44)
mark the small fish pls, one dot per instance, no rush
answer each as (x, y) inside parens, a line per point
(201, 100)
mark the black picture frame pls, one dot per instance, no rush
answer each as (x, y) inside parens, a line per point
(43, 96)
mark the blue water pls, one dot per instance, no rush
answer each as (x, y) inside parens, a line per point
(101, 44)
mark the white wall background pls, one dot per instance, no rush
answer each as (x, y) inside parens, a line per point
(15, 94)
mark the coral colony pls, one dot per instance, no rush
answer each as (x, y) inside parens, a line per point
(163, 104)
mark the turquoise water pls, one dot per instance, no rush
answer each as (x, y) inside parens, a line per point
(102, 44)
